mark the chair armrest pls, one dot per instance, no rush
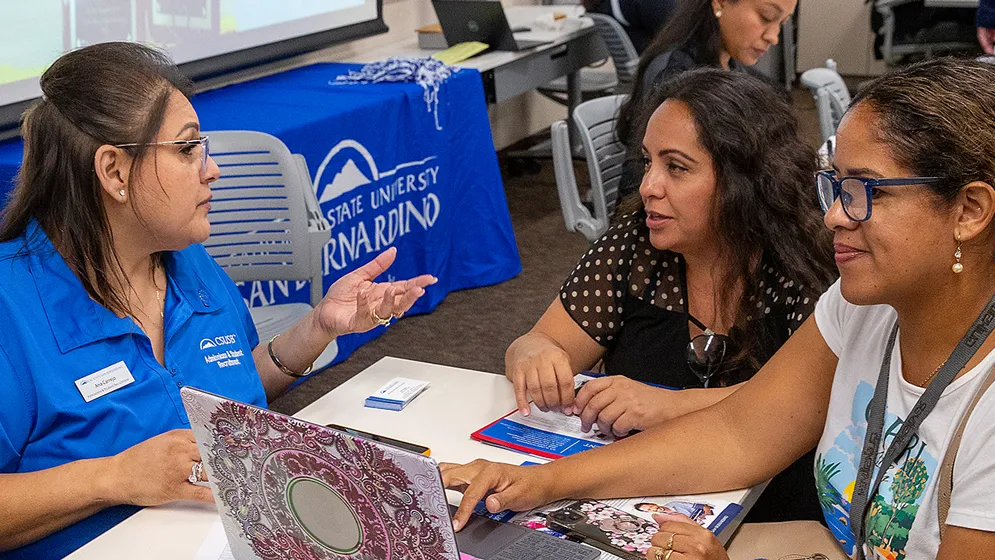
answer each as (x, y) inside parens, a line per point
(319, 232)
(576, 216)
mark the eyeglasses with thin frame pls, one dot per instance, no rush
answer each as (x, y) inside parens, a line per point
(856, 193)
(203, 142)
(706, 353)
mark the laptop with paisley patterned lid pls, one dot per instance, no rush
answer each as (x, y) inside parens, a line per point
(289, 488)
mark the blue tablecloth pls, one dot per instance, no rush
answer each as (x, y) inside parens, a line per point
(11, 154)
(384, 176)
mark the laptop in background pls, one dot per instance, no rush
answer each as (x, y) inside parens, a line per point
(282, 484)
(478, 20)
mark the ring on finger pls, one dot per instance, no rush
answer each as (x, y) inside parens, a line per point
(196, 473)
(657, 553)
(670, 542)
(378, 319)
(667, 555)
(397, 315)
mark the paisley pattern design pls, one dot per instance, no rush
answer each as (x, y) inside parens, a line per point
(252, 457)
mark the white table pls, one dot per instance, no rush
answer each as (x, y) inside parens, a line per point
(507, 74)
(458, 402)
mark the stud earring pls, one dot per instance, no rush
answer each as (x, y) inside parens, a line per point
(121, 192)
(718, 13)
(957, 266)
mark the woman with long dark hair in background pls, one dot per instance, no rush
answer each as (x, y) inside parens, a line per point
(726, 34)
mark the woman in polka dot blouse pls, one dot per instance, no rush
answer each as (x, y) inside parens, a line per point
(725, 237)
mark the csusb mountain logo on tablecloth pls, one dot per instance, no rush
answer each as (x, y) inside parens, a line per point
(369, 209)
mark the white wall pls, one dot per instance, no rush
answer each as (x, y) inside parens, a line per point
(403, 17)
(837, 29)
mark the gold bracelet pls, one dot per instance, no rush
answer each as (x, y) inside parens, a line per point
(282, 367)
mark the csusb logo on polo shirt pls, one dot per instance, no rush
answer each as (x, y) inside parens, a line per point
(220, 356)
(369, 209)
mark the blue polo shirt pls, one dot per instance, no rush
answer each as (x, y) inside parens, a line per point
(54, 334)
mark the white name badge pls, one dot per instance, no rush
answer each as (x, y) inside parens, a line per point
(109, 379)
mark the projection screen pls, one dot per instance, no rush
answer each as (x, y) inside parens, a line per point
(205, 37)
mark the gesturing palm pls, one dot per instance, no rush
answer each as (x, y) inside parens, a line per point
(354, 301)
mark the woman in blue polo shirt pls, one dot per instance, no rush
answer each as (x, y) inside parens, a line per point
(106, 296)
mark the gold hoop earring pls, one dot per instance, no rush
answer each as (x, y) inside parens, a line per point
(957, 266)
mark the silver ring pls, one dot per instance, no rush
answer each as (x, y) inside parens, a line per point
(196, 473)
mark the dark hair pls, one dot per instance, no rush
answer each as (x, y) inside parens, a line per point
(693, 28)
(108, 93)
(938, 119)
(765, 211)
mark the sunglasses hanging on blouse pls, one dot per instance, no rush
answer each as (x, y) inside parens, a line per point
(706, 352)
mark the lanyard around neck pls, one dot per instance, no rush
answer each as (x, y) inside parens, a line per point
(863, 490)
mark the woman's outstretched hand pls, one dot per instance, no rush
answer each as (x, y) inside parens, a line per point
(354, 303)
(504, 487)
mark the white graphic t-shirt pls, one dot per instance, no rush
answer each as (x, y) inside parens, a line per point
(902, 516)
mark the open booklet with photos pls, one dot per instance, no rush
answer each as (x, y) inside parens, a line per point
(712, 514)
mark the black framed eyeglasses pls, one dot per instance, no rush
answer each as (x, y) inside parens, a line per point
(706, 353)
(203, 142)
(855, 193)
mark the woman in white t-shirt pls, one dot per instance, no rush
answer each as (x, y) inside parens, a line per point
(915, 246)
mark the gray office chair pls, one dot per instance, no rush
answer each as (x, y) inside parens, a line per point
(594, 121)
(623, 55)
(592, 83)
(831, 97)
(266, 224)
(620, 47)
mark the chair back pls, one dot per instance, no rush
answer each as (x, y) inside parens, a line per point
(620, 47)
(261, 211)
(605, 154)
(594, 122)
(831, 98)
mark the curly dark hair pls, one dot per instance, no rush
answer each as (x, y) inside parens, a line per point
(765, 205)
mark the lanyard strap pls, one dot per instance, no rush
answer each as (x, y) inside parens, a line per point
(863, 489)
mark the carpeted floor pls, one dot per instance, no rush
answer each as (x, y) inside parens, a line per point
(472, 328)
